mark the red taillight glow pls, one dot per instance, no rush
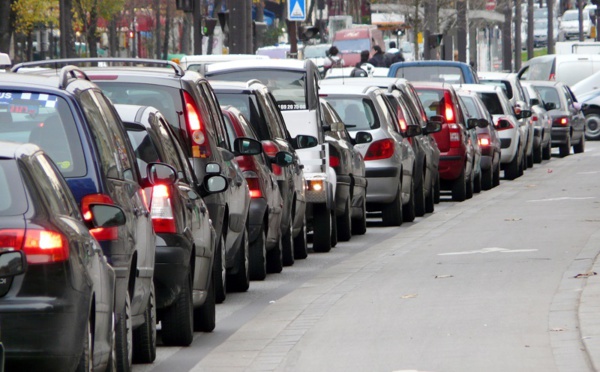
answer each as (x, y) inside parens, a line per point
(534, 118)
(197, 129)
(39, 246)
(271, 150)
(449, 108)
(334, 161)
(109, 233)
(382, 149)
(455, 136)
(254, 186)
(161, 210)
(552, 77)
(484, 140)
(562, 121)
(505, 127)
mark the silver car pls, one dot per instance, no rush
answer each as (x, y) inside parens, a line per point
(542, 124)
(389, 157)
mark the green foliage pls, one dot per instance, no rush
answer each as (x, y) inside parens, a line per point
(271, 36)
(32, 12)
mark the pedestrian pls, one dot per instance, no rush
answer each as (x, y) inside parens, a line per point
(333, 59)
(393, 55)
(358, 71)
(377, 59)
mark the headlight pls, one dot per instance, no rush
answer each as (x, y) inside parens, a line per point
(315, 185)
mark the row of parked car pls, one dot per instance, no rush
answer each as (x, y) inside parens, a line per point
(139, 195)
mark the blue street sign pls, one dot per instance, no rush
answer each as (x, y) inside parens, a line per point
(296, 10)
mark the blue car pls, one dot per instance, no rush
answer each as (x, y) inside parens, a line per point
(452, 72)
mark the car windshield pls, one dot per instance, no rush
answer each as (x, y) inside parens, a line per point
(505, 85)
(470, 106)
(352, 45)
(492, 103)
(432, 100)
(549, 95)
(540, 25)
(47, 121)
(448, 74)
(570, 16)
(540, 13)
(315, 51)
(13, 201)
(288, 87)
(357, 113)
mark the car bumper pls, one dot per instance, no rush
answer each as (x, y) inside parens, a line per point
(560, 136)
(383, 184)
(171, 270)
(451, 166)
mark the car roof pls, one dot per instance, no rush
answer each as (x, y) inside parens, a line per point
(220, 57)
(280, 64)
(382, 82)
(30, 80)
(432, 85)
(496, 75)
(477, 88)
(235, 85)
(347, 89)
(545, 83)
(429, 63)
(135, 113)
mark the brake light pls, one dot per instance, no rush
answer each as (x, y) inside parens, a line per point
(100, 233)
(334, 161)
(39, 246)
(271, 150)
(484, 140)
(507, 124)
(245, 162)
(161, 210)
(197, 129)
(552, 77)
(562, 121)
(449, 108)
(455, 135)
(253, 184)
(382, 149)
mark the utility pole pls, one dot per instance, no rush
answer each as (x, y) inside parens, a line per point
(580, 10)
(461, 30)
(237, 27)
(430, 28)
(248, 28)
(530, 41)
(518, 28)
(550, 4)
(197, 26)
(507, 37)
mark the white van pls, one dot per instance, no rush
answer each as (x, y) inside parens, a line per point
(568, 69)
(197, 63)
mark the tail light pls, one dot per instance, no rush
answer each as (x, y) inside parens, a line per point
(334, 161)
(253, 184)
(552, 77)
(197, 129)
(534, 119)
(449, 113)
(484, 140)
(562, 121)
(161, 210)
(101, 233)
(245, 162)
(508, 124)
(382, 149)
(39, 246)
(455, 135)
(271, 150)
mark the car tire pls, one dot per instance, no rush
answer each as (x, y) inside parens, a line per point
(124, 333)
(530, 159)
(471, 184)
(537, 154)
(522, 164)
(258, 256)
(512, 169)
(391, 214)
(300, 245)
(275, 259)
(580, 147)
(565, 149)
(220, 270)
(420, 196)
(112, 359)
(497, 175)
(547, 151)
(438, 189)
(205, 318)
(592, 125)
(287, 244)
(177, 322)
(334, 233)
(408, 209)
(359, 225)
(322, 224)
(344, 223)
(459, 188)
(487, 179)
(430, 198)
(144, 336)
(86, 362)
(240, 281)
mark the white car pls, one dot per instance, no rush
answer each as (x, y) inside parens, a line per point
(569, 24)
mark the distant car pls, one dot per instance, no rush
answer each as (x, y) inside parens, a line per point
(388, 156)
(487, 137)
(567, 68)
(591, 108)
(542, 124)
(198, 63)
(452, 72)
(185, 237)
(58, 282)
(568, 121)
(569, 24)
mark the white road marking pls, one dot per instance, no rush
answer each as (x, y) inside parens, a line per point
(489, 250)
(592, 172)
(563, 198)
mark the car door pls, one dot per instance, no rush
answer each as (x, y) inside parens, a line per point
(577, 116)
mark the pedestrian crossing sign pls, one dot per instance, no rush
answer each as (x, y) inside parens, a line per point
(296, 10)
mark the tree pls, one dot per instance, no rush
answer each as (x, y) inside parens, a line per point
(88, 12)
(6, 28)
(31, 14)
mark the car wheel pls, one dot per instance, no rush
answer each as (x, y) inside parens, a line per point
(344, 223)
(430, 198)
(220, 271)
(258, 256)
(408, 209)
(124, 335)
(537, 154)
(334, 233)
(300, 246)
(177, 323)
(322, 223)
(144, 337)
(470, 184)
(522, 164)
(530, 159)
(420, 196)
(477, 183)
(287, 244)
(497, 175)
(86, 363)
(240, 281)
(565, 150)
(487, 179)
(547, 151)
(459, 188)
(592, 125)
(275, 259)
(580, 147)
(205, 315)
(392, 212)
(438, 193)
(512, 169)
(112, 359)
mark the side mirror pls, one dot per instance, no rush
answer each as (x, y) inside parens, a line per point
(412, 131)
(550, 106)
(246, 146)
(283, 159)
(362, 137)
(213, 184)
(472, 123)
(302, 141)
(577, 106)
(437, 118)
(12, 263)
(503, 124)
(432, 126)
(213, 168)
(525, 114)
(104, 215)
(482, 123)
(161, 174)
(534, 102)
(584, 106)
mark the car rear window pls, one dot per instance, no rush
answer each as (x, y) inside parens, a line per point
(492, 103)
(505, 85)
(13, 201)
(549, 94)
(357, 113)
(470, 106)
(248, 106)
(144, 148)
(47, 121)
(448, 74)
(432, 101)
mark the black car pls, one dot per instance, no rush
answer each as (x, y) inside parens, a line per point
(57, 299)
(185, 238)
(77, 126)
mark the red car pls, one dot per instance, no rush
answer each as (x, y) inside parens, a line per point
(457, 153)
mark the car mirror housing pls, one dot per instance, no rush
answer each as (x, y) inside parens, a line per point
(525, 114)
(104, 216)
(472, 123)
(161, 174)
(283, 159)
(246, 146)
(12, 263)
(302, 141)
(213, 168)
(412, 131)
(482, 123)
(503, 124)
(214, 184)
(550, 106)
(362, 137)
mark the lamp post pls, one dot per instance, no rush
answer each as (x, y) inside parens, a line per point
(51, 41)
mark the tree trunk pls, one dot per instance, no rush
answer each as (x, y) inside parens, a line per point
(6, 28)
(92, 27)
(167, 31)
(113, 39)
(157, 28)
(187, 31)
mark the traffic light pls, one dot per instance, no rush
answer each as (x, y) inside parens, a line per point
(435, 40)
(224, 21)
(209, 25)
(185, 5)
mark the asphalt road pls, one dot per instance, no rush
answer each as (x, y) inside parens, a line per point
(483, 285)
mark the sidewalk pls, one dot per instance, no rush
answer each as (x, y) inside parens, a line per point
(589, 306)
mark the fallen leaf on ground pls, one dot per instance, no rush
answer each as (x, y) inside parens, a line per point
(557, 329)
(443, 276)
(585, 275)
(512, 219)
(412, 295)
